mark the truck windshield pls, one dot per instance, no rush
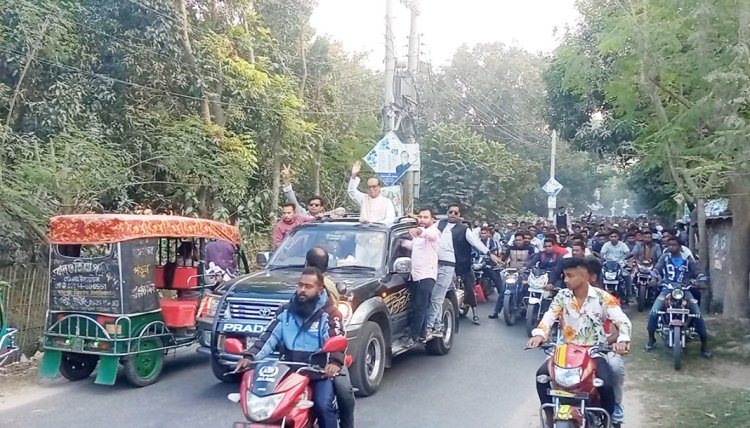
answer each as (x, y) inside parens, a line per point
(347, 247)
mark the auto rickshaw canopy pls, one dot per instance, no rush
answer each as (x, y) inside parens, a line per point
(95, 229)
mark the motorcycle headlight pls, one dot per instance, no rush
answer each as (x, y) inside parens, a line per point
(261, 408)
(610, 275)
(511, 277)
(346, 312)
(478, 266)
(678, 294)
(567, 378)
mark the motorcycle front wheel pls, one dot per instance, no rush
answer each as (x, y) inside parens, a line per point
(531, 318)
(510, 314)
(677, 347)
(642, 291)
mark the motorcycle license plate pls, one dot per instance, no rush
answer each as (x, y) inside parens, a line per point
(254, 425)
(566, 394)
(678, 311)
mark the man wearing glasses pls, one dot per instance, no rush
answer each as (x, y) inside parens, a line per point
(314, 205)
(374, 207)
(454, 256)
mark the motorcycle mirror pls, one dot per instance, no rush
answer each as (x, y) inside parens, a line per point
(234, 397)
(335, 344)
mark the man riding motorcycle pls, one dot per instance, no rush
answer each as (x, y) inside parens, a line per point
(549, 261)
(486, 236)
(673, 267)
(617, 251)
(582, 310)
(299, 330)
(515, 257)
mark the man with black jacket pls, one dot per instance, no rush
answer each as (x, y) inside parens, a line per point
(299, 331)
(454, 257)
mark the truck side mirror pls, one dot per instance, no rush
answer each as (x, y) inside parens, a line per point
(402, 265)
(262, 258)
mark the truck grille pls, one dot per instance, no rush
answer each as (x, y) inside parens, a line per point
(241, 308)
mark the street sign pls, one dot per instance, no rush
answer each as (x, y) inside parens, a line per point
(552, 202)
(391, 159)
(552, 187)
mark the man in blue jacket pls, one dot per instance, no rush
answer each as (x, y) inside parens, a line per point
(299, 331)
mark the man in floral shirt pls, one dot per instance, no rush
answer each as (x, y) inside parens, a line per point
(582, 310)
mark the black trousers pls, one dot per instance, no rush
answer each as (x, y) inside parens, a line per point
(603, 372)
(468, 277)
(420, 301)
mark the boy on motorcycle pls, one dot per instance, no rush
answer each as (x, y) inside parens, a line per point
(300, 330)
(673, 267)
(582, 310)
(487, 239)
(549, 261)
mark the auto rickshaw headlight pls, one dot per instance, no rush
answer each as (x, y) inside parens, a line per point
(262, 408)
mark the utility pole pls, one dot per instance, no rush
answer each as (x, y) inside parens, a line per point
(552, 200)
(409, 190)
(390, 70)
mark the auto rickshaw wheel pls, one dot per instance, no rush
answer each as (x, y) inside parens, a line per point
(144, 367)
(77, 366)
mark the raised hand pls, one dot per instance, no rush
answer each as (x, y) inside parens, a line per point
(356, 168)
(286, 174)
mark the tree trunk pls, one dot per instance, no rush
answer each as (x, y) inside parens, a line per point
(217, 110)
(317, 160)
(736, 303)
(276, 177)
(303, 54)
(703, 248)
(187, 50)
(29, 59)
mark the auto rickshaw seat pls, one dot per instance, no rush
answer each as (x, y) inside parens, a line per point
(179, 312)
(184, 277)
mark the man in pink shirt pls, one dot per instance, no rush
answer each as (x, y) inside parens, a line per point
(288, 221)
(424, 246)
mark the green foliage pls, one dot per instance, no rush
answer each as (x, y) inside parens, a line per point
(110, 108)
(461, 166)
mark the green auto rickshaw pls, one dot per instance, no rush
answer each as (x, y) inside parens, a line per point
(8, 348)
(125, 289)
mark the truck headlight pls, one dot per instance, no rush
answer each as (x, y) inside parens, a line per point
(208, 307)
(346, 312)
(261, 408)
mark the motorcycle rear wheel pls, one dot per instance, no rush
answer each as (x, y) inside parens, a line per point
(510, 315)
(565, 424)
(677, 347)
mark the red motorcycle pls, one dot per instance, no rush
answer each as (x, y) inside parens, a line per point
(573, 387)
(277, 393)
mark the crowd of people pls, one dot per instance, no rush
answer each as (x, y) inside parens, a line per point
(571, 252)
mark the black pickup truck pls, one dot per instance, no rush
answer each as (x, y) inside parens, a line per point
(371, 270)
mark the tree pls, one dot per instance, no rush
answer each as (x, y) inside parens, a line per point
(461, 166)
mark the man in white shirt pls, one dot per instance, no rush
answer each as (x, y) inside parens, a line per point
(374, 207)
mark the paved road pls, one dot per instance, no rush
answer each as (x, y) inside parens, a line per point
(487, 380)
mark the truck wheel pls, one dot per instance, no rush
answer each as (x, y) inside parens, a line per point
(441, 346)
(219, 372)
(369, 360)
(77, 366)
(144, 368)
(510, 314)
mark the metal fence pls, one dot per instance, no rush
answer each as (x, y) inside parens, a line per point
(26, 302)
